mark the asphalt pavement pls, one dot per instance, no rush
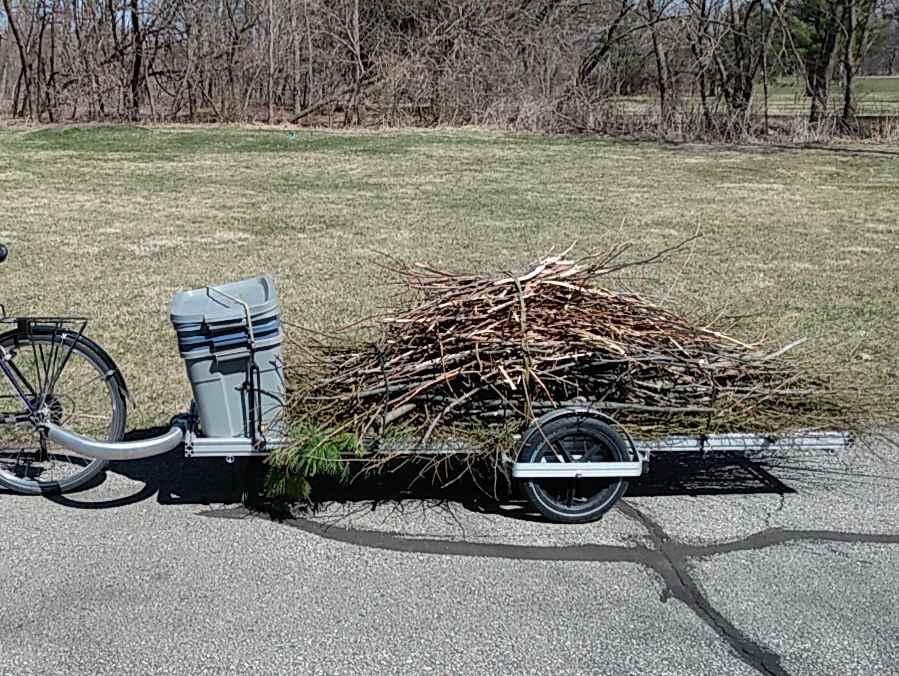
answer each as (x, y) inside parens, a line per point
(789, 565)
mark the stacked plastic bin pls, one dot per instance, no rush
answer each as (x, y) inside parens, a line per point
(230, 338)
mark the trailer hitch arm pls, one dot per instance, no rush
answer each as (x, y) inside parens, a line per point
(120, 450)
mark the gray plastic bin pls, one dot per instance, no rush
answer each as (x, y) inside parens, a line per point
(238, 387)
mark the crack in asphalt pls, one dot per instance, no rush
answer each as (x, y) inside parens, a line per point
(782, 536)
(675, 573)
(668, 558)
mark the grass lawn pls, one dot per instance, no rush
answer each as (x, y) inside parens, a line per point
(110, 222)
(875, 95)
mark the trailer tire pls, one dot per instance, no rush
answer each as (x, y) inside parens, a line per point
(574, 500)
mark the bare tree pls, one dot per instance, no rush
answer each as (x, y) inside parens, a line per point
(271, 61)
(24, 62)
(535, 64)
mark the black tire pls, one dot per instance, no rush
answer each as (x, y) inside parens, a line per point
(584, 438)
(57, 470)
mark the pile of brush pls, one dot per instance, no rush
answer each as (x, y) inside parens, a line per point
(495, 351)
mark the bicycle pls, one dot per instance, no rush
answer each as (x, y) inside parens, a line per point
(53, 373)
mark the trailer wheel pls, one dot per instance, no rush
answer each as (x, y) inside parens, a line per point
(579, 437)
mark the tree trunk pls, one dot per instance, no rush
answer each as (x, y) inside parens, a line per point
(698, 36)
(137, 69)
(820, 70)
(51, 77)
(16, 93)
(765, 87)
(4, 72)
(661, 60)
(271, 62)
(353, 112)
(856, 19)
(23, 59)
(307, 90)
(39, 78)
(295, 44)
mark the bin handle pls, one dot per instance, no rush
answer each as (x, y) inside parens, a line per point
(246, 309)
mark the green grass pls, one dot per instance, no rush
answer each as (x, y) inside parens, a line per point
(110, 222)
(874, 96)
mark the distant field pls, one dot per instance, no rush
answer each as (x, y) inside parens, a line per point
(110, 222)
(875, 96)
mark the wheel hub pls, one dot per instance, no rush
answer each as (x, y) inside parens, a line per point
(51, 412)
(53, 409)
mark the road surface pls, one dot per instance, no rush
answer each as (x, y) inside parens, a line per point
(790, 566)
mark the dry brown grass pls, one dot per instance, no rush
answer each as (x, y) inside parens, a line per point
(110, 222)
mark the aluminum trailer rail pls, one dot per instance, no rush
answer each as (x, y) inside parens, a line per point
(713, 443)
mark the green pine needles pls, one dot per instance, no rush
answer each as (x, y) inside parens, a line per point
(311, 452)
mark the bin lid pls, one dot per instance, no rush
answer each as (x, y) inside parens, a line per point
(241, 348)
(235, 323)
(215, 303)
(191, 340)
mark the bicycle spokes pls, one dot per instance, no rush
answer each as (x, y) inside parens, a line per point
(50, 357)
(53, 375)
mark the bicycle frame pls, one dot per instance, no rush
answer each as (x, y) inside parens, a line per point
(7, 369)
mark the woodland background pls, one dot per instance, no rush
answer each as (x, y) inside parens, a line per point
(723, 69)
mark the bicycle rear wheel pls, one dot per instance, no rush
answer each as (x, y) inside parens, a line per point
(77, 387)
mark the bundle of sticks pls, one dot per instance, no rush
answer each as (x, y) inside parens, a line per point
(481, 350)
